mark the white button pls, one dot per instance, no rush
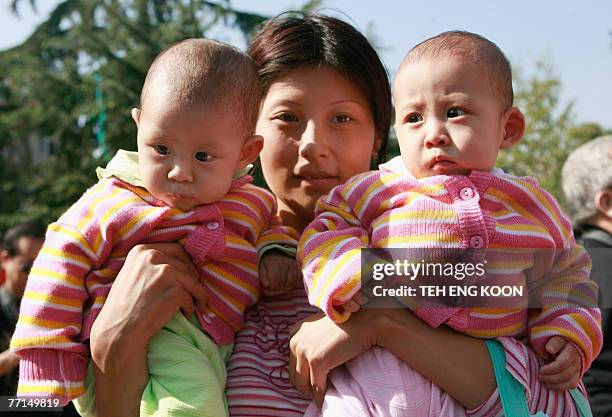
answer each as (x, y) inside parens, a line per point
(212, 225)
(466, 193)
(476, 242)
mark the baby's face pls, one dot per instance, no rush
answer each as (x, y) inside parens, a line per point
(448, 120)
(187, 157)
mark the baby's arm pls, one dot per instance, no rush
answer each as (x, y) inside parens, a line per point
(53, 359)
(276, 247)
(567, 297)
(568, 308)
(48, 336)
(330, 248)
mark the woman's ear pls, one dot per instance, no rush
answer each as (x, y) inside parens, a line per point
(514, 127)
(376, 148)
(250, 150)
(136, 116)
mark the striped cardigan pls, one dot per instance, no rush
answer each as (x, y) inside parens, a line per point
(389, 208)
(86, 248)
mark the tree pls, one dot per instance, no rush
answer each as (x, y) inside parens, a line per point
(551, 133)
(49, 84)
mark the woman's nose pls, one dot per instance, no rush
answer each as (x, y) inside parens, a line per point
(180, 173)
(312, 143)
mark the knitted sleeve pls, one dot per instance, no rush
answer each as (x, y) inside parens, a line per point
(53, 360)
(329, 251)
(566, 295)
(48, 333)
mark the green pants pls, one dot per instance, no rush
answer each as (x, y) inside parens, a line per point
(187, 374)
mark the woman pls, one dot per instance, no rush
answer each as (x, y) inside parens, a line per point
(325, 114)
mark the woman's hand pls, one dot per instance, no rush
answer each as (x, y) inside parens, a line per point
(318, 345)
(8, 362)
(155, 282)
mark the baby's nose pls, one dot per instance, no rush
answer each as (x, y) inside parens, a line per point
(180, 173)
(437, 135)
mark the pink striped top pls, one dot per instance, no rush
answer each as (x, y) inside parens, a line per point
(390, 208)
(86, 248)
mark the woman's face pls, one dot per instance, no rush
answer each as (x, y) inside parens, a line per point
(318, 132)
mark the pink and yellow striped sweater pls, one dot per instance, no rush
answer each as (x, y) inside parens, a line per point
(389, 208)
(86, 248)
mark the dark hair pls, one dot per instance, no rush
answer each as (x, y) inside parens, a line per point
(476, 48)
(296, 40)
(12, 236)
(207, 72)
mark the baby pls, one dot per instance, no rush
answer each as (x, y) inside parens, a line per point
(453, 106)
(196, 123)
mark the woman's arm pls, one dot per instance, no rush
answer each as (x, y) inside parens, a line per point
(155, 281)
(457, 363)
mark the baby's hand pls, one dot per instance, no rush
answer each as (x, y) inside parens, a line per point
(278, 273)
(354, 304)
(563, 372)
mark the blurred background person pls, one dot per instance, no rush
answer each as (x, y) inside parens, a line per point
(20, 246)
(2, 273)
(587, 185)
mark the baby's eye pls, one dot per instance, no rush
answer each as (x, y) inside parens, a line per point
(287, 118)
(161, 149)
(203, 156)
(454, 113)
(414, 118)
(342, 118)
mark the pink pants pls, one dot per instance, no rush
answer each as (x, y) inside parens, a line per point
(378, 384)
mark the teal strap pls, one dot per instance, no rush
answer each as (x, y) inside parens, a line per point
(581, 403)
(511, 392)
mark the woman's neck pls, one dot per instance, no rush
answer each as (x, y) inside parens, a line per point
(292, 217)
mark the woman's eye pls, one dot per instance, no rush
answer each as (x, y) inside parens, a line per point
(342, 118)
(162, 149)
(454, 113)
(414, 118)
(203, 156)
(287, 118)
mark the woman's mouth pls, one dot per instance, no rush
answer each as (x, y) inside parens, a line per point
(321, 183)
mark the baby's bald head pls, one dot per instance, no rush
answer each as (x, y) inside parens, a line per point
(475, 48)
(197, 73)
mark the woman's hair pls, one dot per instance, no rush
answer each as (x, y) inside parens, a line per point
(297, 40)
(586, 171)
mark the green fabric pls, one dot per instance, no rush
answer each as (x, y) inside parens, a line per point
(187, 374)
(288, 250)
(124, 166)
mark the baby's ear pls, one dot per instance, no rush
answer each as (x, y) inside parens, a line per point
(514, 127)
(136, 116)
(250, 150)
